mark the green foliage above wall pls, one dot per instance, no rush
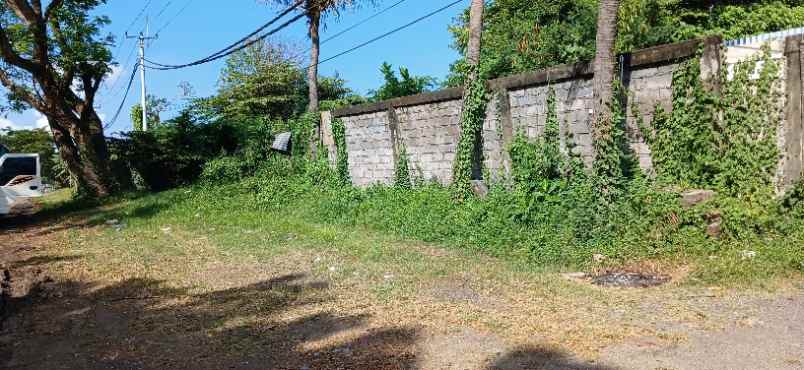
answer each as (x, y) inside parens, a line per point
(261, 80)
(404, 85)
(526, 35)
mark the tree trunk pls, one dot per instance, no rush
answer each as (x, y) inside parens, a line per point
(469, 154)
(475, 33)
(605, 63)
(90, 165)
(314, 16)
(312, 72)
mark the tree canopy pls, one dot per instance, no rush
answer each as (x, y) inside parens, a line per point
(404, 85)
(155, 108)
(524, 35)
(54, 60)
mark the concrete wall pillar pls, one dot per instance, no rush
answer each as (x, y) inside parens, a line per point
(711, 62)
(327, 140)
(792, 130)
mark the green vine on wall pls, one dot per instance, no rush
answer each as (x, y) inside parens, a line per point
(615, 161)
(342, 156)
(472, 117)
(302, 132)
(402, 172)
(537, 164)
(722, 140)
(533, 162)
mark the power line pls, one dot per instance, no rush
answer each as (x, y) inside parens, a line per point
(233, 48)
(163, 9)
(133, 22)
(142, 11)
(224, 50)
(125, 96)
(125, 67)
(161, 67)
(389, 33)
(169, 21)
(358, 24)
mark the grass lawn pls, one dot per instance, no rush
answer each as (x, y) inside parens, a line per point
(190, 277)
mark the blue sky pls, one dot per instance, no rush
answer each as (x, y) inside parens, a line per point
(206, 26)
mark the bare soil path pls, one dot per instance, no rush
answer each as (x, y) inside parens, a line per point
(77, 300)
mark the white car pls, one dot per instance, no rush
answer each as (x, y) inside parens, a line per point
(20, 179)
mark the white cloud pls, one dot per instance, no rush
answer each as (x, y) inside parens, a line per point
(41, 120)
(23, 122)
(113, 75)
(6, 123)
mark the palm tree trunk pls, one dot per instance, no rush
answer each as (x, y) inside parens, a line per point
(605, 63)
(475, 33)
(314, 16)
(312, 72)
(469, 152)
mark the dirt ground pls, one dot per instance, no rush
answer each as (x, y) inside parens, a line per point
(294, 316)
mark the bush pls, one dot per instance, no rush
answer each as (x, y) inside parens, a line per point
(223, 170)
(175, 152)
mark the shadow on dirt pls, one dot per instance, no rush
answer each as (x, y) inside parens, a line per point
(72, 217)
(143, 324)
(543, 359)
(42, 260)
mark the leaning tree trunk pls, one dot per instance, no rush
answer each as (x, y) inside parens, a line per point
(314, 16)
(89, 165)
(605, 62)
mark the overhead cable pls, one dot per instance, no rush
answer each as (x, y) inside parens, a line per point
(391, 32)
(248, 39)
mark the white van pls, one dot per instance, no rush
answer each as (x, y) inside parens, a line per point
(20, 179)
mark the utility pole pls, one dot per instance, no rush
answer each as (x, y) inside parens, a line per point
(143, 37)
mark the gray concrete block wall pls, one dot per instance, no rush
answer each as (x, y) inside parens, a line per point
(370, 149)
(428, 125)
(493, 141)
(573, 105)
(787, 53)
(430, 134)
(647, 89)
(430, 131)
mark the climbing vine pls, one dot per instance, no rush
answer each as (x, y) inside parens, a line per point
(472, 117)
(342, 156)
(614, 162)
(402, 173)
(533, 162)
(722, 140)
(302, 132)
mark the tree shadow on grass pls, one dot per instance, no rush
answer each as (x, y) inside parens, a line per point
(46, 223)
(281, 323)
